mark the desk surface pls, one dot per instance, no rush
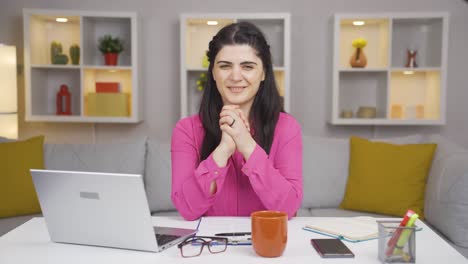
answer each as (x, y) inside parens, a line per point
(30, 243)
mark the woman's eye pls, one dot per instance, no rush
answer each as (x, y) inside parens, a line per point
(247, 67)
(224, 66)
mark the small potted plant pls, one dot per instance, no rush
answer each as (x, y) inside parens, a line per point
(110, 47)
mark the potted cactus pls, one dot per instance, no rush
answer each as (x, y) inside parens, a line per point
(110, 47)
(75, 54)
(56, 55)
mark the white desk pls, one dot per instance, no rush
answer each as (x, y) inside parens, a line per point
(30, 243)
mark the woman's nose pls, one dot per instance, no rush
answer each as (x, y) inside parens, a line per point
(236, 74)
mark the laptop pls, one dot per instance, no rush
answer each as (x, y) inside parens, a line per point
(101, 209)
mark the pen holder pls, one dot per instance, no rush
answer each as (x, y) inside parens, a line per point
(396, 244)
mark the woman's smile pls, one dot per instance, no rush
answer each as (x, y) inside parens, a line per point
(237, 89)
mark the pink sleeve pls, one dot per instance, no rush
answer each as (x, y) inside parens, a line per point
(278, 184)
(191, 180)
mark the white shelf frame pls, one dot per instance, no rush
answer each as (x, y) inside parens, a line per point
(335, 118)
(136, 94)
(285, 68)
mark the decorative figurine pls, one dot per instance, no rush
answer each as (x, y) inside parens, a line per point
(63, 101)
(358, 59)
(411, 55)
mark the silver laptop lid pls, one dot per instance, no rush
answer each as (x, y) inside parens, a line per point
(102, 209)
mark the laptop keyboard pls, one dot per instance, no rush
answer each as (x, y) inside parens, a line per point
(164, 239)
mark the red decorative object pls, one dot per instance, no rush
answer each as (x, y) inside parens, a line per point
(107, 87)
(111, 58)
(63, 101)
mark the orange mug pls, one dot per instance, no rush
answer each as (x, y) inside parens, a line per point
(269, 233)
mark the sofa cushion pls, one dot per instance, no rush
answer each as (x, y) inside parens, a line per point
(446, 204)
(166, 213)
(17, 194)
(325, 168)
(115, 158)
(336, 212)
(445, 148)
(158, 176)
(461, 250)
(303, 212)
(386, 178)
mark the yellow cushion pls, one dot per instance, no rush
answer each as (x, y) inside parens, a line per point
(17, 193)
(386, 178)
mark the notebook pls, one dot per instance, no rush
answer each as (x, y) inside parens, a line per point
(351, 229)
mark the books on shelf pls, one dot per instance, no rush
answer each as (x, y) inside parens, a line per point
(108, 87)
(351, 229)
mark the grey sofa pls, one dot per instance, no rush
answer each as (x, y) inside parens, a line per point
(325, 170)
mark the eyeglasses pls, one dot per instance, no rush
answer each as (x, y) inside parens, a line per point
(193, 246)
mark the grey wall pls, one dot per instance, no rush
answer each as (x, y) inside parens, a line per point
(310, 63)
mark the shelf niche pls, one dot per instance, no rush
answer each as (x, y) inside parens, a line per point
(375, 31)
(123, 77)
(273, 29)
(47, 83)
(96, 27)
(198, 37)
(366, 89)
(412, 91)
(45, 29)
(422, 35)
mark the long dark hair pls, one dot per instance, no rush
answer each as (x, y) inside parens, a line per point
(267, 104)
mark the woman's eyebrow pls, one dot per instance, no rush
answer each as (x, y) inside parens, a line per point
(248, 62)
(242, 63)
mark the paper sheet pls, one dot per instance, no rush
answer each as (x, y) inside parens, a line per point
(218, 224)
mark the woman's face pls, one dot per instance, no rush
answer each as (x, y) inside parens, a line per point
(238, 71)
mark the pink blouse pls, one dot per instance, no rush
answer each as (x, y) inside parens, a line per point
(264, 182)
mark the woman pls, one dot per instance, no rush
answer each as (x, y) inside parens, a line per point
(241, 153)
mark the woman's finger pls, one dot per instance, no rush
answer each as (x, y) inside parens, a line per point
(226, 120)
(228, 112)
(226, 128)
(244, 119)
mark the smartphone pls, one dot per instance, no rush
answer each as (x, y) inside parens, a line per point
(331, 248)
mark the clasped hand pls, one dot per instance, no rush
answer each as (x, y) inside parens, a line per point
(235, 130)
